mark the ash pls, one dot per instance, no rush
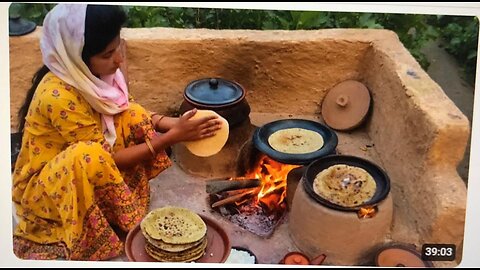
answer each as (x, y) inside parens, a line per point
(254, 217)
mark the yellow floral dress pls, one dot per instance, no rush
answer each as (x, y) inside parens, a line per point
(71, 199)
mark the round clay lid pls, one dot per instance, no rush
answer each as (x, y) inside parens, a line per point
(295, 258)
(346, 105)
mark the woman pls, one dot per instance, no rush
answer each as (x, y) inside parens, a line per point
(88, 150)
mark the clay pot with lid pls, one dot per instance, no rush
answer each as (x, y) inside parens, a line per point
(332, 223)
(225, 97)
(298, 258)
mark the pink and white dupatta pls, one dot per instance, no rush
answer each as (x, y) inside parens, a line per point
(61, 45)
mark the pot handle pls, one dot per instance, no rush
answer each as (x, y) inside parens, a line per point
(318, 260)
(213, 83)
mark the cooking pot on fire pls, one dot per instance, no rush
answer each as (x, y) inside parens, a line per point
(227, 98)
(381, 179)
(261, 135)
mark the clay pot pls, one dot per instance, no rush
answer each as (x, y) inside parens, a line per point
(298, 258)
(322, 231)
(295, 258)
(227, 98)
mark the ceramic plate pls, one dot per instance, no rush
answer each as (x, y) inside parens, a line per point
(217, 250)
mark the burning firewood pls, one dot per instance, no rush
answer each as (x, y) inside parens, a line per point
(215, 186)
(236, 197)
(230, 193)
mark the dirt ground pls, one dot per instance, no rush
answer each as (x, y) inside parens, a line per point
(445, 70)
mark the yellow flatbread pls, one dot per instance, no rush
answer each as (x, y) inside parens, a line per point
(345, 185)
(212, 145)
(296, 141)
(171, 247)
(183, 256)
(174, 225)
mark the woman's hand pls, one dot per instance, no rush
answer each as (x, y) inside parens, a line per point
(187, 129)
(182, 129)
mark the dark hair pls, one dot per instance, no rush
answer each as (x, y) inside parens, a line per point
(22, 113)
(102, 24)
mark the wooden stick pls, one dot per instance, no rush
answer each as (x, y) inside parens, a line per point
(222, 185)
(236, 198)
(230, 193)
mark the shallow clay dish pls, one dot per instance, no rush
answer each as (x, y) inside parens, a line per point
(261, 135)
(217, 250)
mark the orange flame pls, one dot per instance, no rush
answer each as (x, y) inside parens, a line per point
(367, 212)
(273, 177)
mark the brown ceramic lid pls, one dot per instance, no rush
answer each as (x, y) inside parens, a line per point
(396, 256)
(346, 105)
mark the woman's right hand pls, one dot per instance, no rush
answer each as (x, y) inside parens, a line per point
(188, 129)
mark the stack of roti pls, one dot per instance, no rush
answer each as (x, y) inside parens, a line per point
(296, 141)
(345, 185)
(174, 234)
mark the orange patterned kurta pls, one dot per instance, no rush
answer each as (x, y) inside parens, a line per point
(67, 190)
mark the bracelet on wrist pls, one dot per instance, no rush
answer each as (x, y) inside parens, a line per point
(158, 121)
(150, 146)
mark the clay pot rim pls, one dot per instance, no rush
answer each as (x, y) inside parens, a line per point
(379, 175)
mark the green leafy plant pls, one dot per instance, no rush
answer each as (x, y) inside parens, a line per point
(413, 30)
(32, 12)
(460, 34)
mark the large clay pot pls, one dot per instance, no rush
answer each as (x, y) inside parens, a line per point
(318, 226)
(227, 98)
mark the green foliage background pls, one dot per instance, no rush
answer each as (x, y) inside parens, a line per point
(459, 33)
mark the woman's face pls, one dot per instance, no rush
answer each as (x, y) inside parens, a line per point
(107, 61)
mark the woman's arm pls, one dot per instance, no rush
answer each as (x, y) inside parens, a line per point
(181, 129)
(130, 156)
(164, 123)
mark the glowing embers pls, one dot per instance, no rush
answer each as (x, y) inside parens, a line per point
(261, 208)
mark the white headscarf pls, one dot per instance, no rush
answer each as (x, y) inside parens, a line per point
(62, 44)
